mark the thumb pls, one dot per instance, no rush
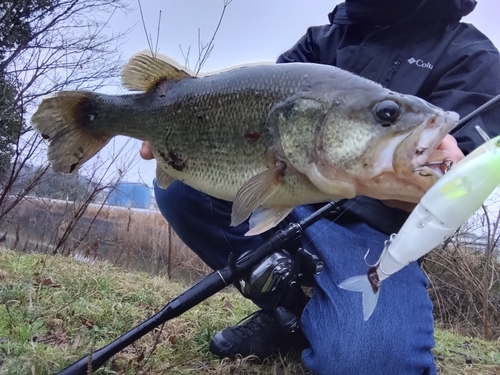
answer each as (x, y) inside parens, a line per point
(145, 151)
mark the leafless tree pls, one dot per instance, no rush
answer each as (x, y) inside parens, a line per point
(205, 49)
(47, 46)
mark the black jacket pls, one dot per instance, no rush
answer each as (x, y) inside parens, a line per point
(429, 54)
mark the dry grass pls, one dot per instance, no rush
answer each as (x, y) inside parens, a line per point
(456, 288)
(135, 239)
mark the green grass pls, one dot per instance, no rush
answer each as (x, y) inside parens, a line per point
(458, 354)
(55, 310)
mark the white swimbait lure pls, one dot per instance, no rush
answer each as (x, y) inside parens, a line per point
(448, 204)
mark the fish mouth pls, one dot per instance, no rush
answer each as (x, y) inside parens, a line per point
(434, 168)
(418, 153)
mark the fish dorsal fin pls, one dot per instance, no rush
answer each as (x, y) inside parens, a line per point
(255, 192)
(143, 72)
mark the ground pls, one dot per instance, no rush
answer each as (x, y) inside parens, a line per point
(55, 310)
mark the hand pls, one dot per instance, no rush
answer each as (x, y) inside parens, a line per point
(145, 151)
(450, 148)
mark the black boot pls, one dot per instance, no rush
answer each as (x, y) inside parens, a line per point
(260, 334)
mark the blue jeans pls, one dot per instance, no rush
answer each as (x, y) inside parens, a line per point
(398, 337)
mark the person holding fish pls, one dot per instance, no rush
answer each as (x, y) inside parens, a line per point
(359, 109)
(413, 47)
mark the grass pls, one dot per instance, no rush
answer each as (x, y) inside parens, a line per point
(54, 310)
(458, 354)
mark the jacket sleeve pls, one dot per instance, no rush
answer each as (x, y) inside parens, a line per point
(304, 50)
(471, 78)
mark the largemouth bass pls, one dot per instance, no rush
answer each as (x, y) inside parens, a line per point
(267, 137)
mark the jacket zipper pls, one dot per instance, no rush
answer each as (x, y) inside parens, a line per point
(394, 68)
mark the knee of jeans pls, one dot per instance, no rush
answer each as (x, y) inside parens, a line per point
(389, 353)
(169, 201)
(342, 343)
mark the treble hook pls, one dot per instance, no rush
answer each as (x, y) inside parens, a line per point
(368, 264)
(447, 163)
(387, 243)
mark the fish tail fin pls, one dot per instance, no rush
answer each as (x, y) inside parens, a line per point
(64, 119)
(362, 284)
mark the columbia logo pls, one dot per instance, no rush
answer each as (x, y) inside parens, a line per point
(420, 63)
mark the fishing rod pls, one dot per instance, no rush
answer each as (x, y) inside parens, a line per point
(493, 102)
(219, 279)
(205, 288)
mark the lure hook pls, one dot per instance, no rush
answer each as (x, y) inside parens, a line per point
(366, 262)
(387, 243)
(447, 163)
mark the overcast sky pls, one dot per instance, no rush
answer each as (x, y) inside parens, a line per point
(251, 31)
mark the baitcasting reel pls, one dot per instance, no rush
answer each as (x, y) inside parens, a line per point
(267, 276)
(283, 275)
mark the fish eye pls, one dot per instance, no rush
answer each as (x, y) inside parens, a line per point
(387, 112)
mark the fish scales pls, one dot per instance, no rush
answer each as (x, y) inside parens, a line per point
(268, 137)
(217, 124)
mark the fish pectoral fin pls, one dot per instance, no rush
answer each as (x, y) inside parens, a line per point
(162, 178)
(255, 192)
(335, 188)
(362, 284)
(265, 218)
(143, 73)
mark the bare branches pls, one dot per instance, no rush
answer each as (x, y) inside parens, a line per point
(158, 33)
(69, 47)
(149, 38)
(204, 50)
(47, 46)
(465, 276)
(148, 35)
